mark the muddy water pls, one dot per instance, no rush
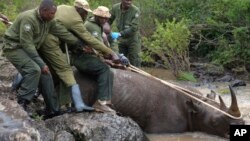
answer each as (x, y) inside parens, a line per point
(242, 94)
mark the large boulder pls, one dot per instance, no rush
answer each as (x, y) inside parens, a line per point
(15, 124)
(96, 127)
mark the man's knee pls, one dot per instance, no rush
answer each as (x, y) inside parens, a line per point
(31, 68)
(35, 71)
(101, 66)
(46, 77)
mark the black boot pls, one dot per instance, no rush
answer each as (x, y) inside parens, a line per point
(47, 114)
(24, 103)
(50, 114)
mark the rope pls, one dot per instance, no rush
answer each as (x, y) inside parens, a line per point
(3, 20)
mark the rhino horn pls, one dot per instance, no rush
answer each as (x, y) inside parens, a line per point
(222, 104)
(234, 109)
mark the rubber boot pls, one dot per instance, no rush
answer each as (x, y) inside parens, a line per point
(16, 82)
(78, 101)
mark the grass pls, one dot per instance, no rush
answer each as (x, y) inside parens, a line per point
(186, 76)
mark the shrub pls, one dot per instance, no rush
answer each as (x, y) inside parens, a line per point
(170, 43)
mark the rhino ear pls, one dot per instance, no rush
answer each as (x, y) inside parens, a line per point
(212, 95)
(192, 107)
(222, 104)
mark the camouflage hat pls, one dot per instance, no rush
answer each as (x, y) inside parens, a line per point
(102, 11)
(82, 4)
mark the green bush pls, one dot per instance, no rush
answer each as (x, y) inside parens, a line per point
(170, 43)
(233, 54)
(186, 76)
(219, 28)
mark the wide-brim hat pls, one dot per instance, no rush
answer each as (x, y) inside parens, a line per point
(82, 4)
(102, 11)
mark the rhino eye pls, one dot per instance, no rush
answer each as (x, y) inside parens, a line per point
(214, 122)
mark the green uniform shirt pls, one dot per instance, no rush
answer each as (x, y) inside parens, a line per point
(29, 32)
(127, 21)
(94, 28)
(74, 23)
(97, 31)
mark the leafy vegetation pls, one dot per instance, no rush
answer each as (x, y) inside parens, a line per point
(173, 31)
(37, 117)
(170, 42)
(186, 76)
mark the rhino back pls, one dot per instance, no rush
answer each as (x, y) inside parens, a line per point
(157, 108)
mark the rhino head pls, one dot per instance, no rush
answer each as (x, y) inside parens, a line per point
(215, 120)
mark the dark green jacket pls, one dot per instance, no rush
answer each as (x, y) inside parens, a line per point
(29, 32)
(94, 28)
(74, 23)
(127, 22)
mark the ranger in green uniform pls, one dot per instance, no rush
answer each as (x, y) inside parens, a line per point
(73, 17)
(95, 26)
(21, 42)
(127, 20)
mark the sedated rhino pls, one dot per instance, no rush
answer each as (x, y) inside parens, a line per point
(158, 108)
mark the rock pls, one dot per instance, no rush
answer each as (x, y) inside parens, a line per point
(15, 125)
(239, 70)
(207, 72)
(214, 70)
(7, 70)
(226, 78)
(7, 73)
(64, 136)
(97, 127)
(46, 134)
(237, 83)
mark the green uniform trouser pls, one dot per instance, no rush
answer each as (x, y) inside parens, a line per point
(29, 70)
(60, 68)
(31, 74)
(46, 87)
(57, 60)
(131, 48)
(93, 65)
